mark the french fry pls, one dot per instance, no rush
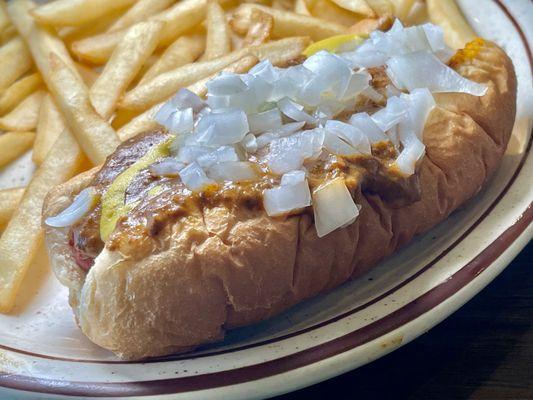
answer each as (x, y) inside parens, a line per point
(7, 34)
(381, 7)
(18, 91)
(24, 117)
(184, 50)
(418, 14)
(284, 5)
(287, 23)
(178, 19)
(145, 121)
(88, 74)
(329, 11)
(41, 41)
(457, 32)
(218, 40)
(50, 125)
(13, 145)
(165, 85)
(300, 7)
(9, 200)
(76, 12)
(70, 34)
(96, 137)
(125, 62)
(139, 12)
(368, 25)
(356, 6)
(260, 29)
(401, 8)
(23, 235)
(122, 117)
(4, 16)
(15, 61)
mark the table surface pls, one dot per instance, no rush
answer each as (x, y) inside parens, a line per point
(484, 351)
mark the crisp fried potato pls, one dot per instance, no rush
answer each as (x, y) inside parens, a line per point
(122, 117)
(260, 29)
(239, 67)
(15, 61)
(285, 5)
(125, 62)
(287, 23)
(13, 145)
(76, 12)
(4, 16)
(356, 6)
(300, 7)
(18, 91)
(184, 50)
(140, 11)
(95, 136)
(165, 85)
(381, 7)
(9, 200)
(23, 235)
(41, 41)
(445, 13)
(401, 8)
(418, 14)
(88, 74)
(218, 40)
(24, 117)
(70, 34)
(368, 25)
(7, 34)
(329, 11)
(178, 19)
(50, 125)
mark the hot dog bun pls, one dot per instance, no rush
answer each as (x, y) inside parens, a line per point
(228, 268)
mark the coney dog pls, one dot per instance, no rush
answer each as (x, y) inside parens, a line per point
(168, 252)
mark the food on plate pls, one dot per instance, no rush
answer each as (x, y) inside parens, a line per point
(281, 183)
(13, 145)
(50, 125)
(24, 117)
(9, 200)
(19, 91)
(218, 41)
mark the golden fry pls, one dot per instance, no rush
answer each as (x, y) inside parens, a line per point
(356, 6)
(96, 137)
(71, 34)
(50, 125)
(24, 117)
(7, 34)
(126, 61)
(141, 10)
(23, 235)
(287, 23)
(140, 123)
(239, 67)
(329, 11)
(418, 14)
(368, 25)
(218, 40)
(76, 12)
(260, 29)
(13, 145)
(457, 32)
(88, 74)
(4, 16)
(9, 201)
(401, 8)
(300, 7)
(381, 7)
(15, 61)
(184, 50)
(18, 91)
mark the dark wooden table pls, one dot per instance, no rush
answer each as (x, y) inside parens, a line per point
(484, 351)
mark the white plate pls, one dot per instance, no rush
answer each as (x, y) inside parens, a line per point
(42, 353)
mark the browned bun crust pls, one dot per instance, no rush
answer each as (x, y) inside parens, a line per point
(227, 268)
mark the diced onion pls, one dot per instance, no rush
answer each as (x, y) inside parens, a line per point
(188, 154)
(392, 114)
(194, 177)
(293, 177)
(84, 202)
(365, 124)
(334, 207)
(180, 122)
(265, 121)
(355, 137)
(336, 145)
(221, 154)
(225, 126)
(249, 143)
(167, 167)
(226, 85)
(425, 70)
(234, 171)
(413, 151)
(291, 195)
(187, 99)
(295, 111)
(289, 153)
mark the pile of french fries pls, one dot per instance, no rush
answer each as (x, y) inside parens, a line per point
(77, 77)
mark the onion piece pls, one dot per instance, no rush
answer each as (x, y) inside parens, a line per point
(222, 127)
(365, 124)
(265, 121)
(413, 151)
(166, 167)
(291, 195)
(336, 145)
(266, 71)
(194, 177)
(233, 171)
(225, 85)
(295, 111)
(84, 202)
(163, 114)
(421, 102)
(425, 70)
(289, 153)
(355, 137)
(249, 143)
(392, 114)
(373, 94)
(180, 121)
(187, 99)
(188, 154)
(358, 82)
(221, 154)
(333, 207)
